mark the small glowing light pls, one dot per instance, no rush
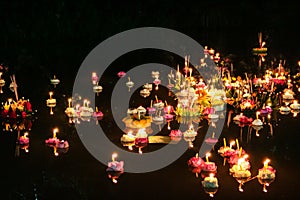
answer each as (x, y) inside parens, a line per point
(114, 156)
(114, 180)
(232, 143)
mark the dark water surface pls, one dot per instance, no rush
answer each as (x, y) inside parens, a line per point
(78, 175)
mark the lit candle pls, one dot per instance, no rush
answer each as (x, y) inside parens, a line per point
(191, 72)
(113, 156)
(169, 109)
(240, 152)
(295, 102)
(224, 140)
(237, 144)
(231, 144)
(206, 156)
(156, 98)
(266, 163)
(54, 132)
(69, 101)
(276, 75)
(257, 113)
(50, 94)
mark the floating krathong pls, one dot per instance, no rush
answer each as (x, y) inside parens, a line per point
(24, 140)
(97, 88)
(115, 168)
(129, 84)
(210, 184)
(266, 175)
(54, 81)
(2, 82)
(51, 103)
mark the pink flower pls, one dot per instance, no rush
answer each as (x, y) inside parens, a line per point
(121, 74)
(23, 114)
(245, 120)
(139, 141)
(115, 166)
(196, 162)
(208, 111)
(175, 133)
(209, 166)
(156, 81)
(229, 153)
(28, 106)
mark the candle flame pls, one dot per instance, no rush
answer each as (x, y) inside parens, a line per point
(55, 130)
(113, 156)
(267, 161)
(114, 180)
(25, 134)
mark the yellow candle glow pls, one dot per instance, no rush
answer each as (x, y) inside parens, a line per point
(156, 98)
(113, 156)
(266, 163)
(224, 140)
(237, 144)
(240, 152)
(257, 113)
(232, 143)
(191, 72)
(69, 101)
(206, 156)
(54, 132)
(50, 94)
